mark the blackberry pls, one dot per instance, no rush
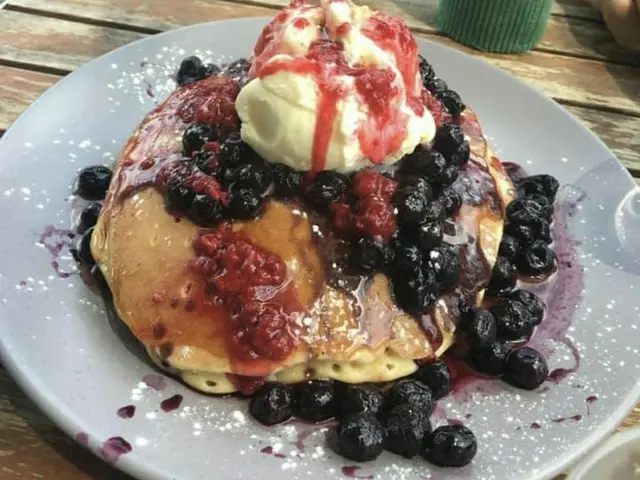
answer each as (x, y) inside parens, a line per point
(234, 152)
(448, 139)
(503, 277)
(369, 255)
(316, 401)
(531, 302)
(84, 249)
(481, 329)
(450, 446)
(196, 136)
(430, 235)
(452, 102)
(437, 86)
(513, 320)
(526, 368)
(177, 195)
(536, 260)
(287, 181)
(451, 201)
(207, 163)
(509, 247)
(272, 404)
(190, 70)
(545, 185)
(358, 437)
(93, 182)
(491, 360)
(437, 377)
(204, 211)
(446, 265)
(327, 186)
(405, 428)
(359, 400)
(411, 205)
(255, 176)
(411, 392)
(89, 216)
(244, 204)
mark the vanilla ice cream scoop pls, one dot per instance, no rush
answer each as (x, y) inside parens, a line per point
(335, 86)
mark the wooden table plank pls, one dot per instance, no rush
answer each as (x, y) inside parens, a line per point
(32, 447)
(64, 45)
(575, 8)
(570, 36)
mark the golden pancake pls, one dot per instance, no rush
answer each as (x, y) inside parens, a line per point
(349, 334)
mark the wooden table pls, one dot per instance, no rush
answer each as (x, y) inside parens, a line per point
(577, 63)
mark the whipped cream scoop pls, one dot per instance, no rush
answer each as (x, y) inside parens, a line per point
(334, 86)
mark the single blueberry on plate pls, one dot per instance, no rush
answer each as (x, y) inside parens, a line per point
(93, 182)
(190, 70)
(526, 368)
(272, 403)
(89, 216)
(450, 446)
(436, 376)
(513, 320)
(532, 303)
(412, 392)
(405, 429)
(316, 400)
(84, 248)
(536, 260)
(481, 330)
(491, 360)
(359, 438)
(358, 399)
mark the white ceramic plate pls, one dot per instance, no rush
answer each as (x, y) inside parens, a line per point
(56, 340)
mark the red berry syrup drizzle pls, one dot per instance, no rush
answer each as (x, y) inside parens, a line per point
(351, 471)
(113, 448)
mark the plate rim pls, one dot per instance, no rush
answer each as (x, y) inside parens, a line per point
(132, 464)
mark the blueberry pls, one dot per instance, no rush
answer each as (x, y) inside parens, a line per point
(448, 139)
(316, 401)
(434, 212)
(437, 377)
(177, 195)
(543, 205)
(446, 265)
(210, 70)
(437, 86)
(101, 282)
(358, 437)
(357, 399)
(414, 290)
(417, 182)
(411, 205)
(238, 70)
(191, 70)
(405, 256)
(527, 211)
(448, 177)
(206, 163)
(524, 234)
(244, 204)
(503, 277)
(84, 248)
(204, 211)
(482, 329)
(196, 136)
(426, 70)
(451, 201)
(450, 446)
(412, 392)
(234, 152)
(431, 164)
(89, 216)
(531, 302)
(513, 320)
(327, 186)
(287, 181)
(452, 102)
(536, 260)
(272, 403)
(544, 233)
(461, 156)
(255, 176)
(545, 185)
(430, 235)
(369, 255)
(509, 247)
(93, 182)
(405, 429)
(526, 368)
(491, 360)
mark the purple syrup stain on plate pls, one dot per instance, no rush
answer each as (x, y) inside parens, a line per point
(155, 381)
(454, 421)
(267, 450)
(535, 426)
(83, 439)
(351, 471)
(172, 403)
(592, 399)
(59, 243)
(113, 448)
(127, 411)
(575, 418)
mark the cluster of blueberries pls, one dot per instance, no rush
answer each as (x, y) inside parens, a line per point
(193, 69)
(439, 89)
(371, 419)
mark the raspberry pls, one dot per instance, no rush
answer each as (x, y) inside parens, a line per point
(374, 217)
(369, 182)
